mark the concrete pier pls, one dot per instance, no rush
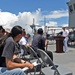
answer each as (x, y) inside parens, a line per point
(64, 59)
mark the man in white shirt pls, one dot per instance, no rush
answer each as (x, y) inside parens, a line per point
(65, 34)
(23, 41)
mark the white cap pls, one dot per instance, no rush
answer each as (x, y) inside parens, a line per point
(7, 30)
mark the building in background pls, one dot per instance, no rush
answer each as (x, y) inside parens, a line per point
(71, 8)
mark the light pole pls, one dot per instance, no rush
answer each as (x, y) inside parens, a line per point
(33, 27)
(45, 27)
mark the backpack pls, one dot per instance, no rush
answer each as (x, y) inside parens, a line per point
(2, 44)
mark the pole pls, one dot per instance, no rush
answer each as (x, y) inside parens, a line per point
(45, 25)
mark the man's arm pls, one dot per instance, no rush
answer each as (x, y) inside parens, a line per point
(46, 42)
(17, 60)
(11, 65)
(67, 33)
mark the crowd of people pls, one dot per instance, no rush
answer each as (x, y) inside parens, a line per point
(9, 61)
(13, 64)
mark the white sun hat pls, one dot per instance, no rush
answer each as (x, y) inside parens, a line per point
(7, 30)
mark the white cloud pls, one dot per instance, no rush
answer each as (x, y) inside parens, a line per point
(64, 25)
(51, 23)
(57, 14)
(27, 17)
(8, 20)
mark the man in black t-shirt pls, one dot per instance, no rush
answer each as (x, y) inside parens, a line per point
(39, 42)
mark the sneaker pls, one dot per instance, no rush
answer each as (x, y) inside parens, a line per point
(66, 50)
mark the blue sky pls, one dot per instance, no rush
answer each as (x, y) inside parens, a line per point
(15, 6)
(55, 12)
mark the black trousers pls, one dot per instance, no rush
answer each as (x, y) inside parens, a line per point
(50, 54)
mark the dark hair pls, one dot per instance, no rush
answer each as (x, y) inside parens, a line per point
(24, 31)
(47, 36)
(16, 30)
(40, 31)
(3, 31)
(1, 27)
(28, 35)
